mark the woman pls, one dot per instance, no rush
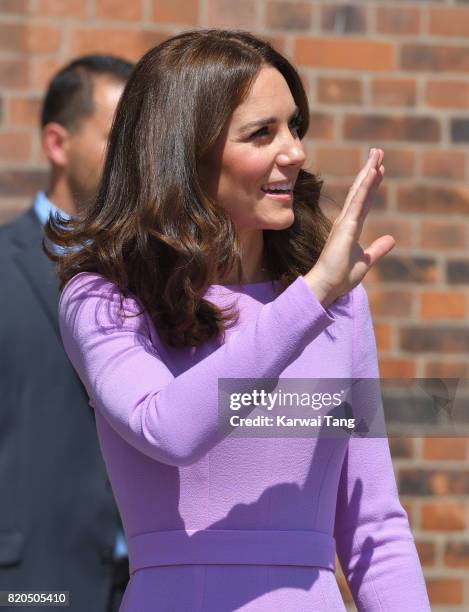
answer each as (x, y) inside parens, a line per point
(206, 256)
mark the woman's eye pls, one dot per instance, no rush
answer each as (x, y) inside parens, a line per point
(295, 124)
(262, 132)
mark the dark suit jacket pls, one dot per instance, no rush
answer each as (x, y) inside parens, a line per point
(58, 519)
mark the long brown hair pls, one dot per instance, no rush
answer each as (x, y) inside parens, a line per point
(152, 230)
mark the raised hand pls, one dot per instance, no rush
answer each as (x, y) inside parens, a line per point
(343, 263)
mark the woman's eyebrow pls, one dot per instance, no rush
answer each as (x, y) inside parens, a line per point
(267, 121)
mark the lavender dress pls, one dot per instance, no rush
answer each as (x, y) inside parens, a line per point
(218, 523)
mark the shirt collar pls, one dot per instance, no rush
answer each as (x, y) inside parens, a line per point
(43, 208)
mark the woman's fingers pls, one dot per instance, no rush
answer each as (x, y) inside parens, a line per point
(363, 198)
(343, 262)
(374, 161)
(371, 195)
(380, 157)
(379, 248)
(356, 209)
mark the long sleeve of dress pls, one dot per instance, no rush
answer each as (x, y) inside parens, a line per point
(375, 545)
(173, 419)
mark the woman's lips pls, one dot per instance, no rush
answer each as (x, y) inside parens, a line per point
(283, 197)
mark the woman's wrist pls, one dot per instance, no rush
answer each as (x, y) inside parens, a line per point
(321, 290)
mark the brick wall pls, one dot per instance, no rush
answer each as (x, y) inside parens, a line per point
(390, 74)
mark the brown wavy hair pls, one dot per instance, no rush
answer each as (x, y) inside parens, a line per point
(152, 230)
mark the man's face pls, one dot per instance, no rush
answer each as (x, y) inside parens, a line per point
(87, 144)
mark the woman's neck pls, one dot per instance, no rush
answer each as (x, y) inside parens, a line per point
(252, 260)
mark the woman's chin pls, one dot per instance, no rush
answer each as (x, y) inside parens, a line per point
(280, 221)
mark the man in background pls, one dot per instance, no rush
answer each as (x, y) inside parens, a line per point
(59, 525)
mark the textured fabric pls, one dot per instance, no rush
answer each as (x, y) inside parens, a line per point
(215, 522)
(224, 588)
(58, 518)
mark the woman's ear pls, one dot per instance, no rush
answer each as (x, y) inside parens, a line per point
(55, 140)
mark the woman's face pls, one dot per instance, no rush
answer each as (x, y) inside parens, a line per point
(256, 160)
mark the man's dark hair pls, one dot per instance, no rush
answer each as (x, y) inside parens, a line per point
(69, 97)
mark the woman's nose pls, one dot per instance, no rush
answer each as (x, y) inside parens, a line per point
(292, 153)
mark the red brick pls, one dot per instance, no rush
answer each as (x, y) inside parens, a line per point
(17, 7)
(347, 19)
(59, 8)
(428, 482)
(288, 16)
(385, 127)
(41, 157)
(449, 482)
(396, 368)
(24, 111)
(383, 333)
(444, 369)
(377, 226)
(337, 161)
(444, 164)
(21, 183)
(443, 235)
(398, 20)
(43, 69)
(447, 94)
(449, 21)
(395, 303)
(42, 39)
(435, 58)
(426, 552)
(459, 130)
(116, 9)
(399, 163)
(457, 554)
(321, 126)
(457, 271)
(168, 11)
(229, 14)
(15, 146)
(402, 448)
(344, 53)
(131, 44)
(442, 305)
(423, 199)
(393, 92)
(11, 37)
(445, 590)
(444, 448)
(306, 79)
(339, 91)
(406, 269)
(435, 339)
(29, 38)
